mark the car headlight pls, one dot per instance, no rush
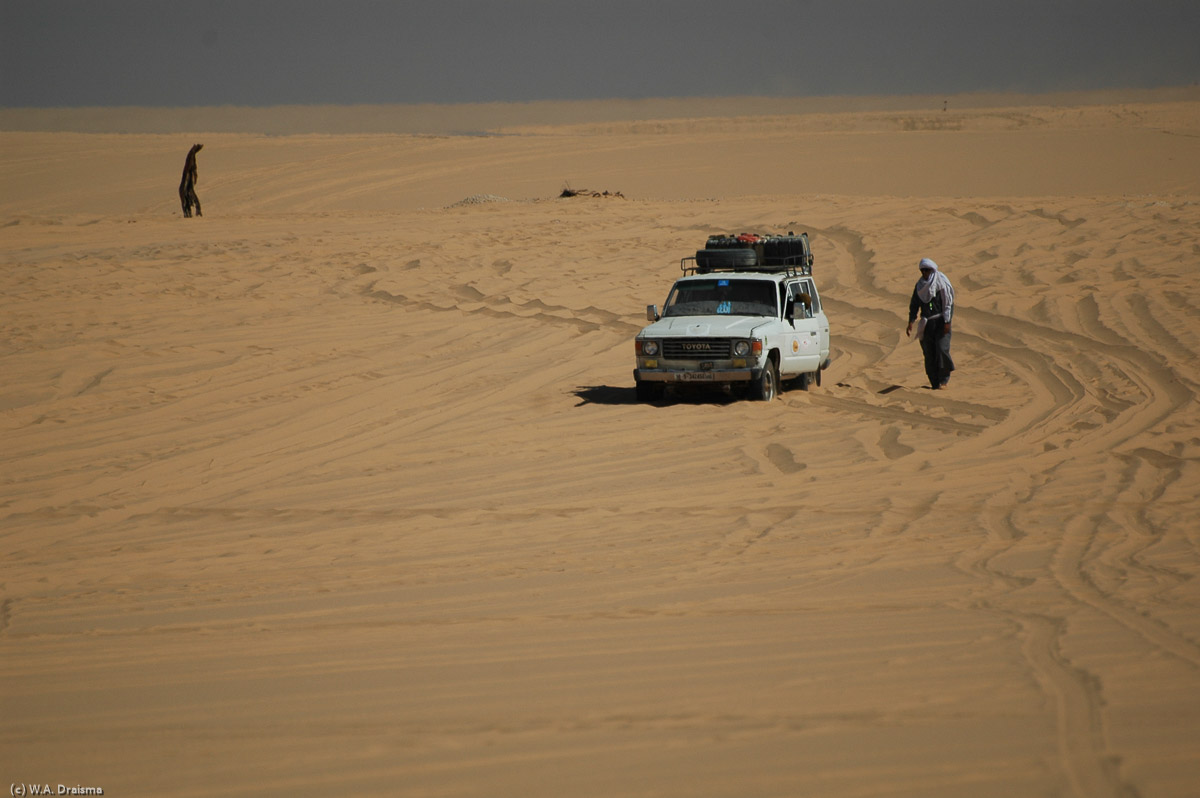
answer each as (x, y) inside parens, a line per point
(741, 348)
(650, 348)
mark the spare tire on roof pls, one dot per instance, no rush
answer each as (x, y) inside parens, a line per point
(725, 258)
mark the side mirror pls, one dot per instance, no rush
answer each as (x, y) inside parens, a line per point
(789, 311)
(652, 313)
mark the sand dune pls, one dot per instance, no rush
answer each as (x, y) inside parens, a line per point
(343, 487)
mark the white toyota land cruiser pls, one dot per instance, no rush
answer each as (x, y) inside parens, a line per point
(745, 316)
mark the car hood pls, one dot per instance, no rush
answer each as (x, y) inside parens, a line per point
(703, 326)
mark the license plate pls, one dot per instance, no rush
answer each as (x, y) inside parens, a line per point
(694, 376)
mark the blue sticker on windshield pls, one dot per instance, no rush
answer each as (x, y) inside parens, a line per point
(722, 283)
(725, 307)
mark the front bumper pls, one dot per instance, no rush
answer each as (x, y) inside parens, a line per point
(695, 377)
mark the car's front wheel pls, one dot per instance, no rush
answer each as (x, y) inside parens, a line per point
(766, 387)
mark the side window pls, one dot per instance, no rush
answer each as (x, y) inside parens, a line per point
(795, 291)
(812, 292)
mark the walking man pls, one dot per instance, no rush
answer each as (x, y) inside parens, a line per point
(187, 186)
(933, 298)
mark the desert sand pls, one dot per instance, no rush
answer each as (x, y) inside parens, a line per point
(342, 488)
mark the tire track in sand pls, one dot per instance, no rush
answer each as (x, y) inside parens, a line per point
(1077, 695)
(1082, 541)
(1082, 748)
(1069, 375)
(1091, 383)
(504, 309)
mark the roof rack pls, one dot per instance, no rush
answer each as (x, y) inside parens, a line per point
(749, 252)
(690, 265)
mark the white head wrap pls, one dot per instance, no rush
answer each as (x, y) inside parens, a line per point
(935, 284)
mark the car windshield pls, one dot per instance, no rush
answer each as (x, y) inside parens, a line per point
(722, 296)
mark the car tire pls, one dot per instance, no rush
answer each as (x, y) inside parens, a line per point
(766, 387)
(803, 381)
(709, 259)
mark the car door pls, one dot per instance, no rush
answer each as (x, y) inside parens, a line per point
(820, 317)
(802, 348)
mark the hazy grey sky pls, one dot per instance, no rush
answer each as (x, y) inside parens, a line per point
(269, 52)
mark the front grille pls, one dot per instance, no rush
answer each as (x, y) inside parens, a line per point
(696, 348)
